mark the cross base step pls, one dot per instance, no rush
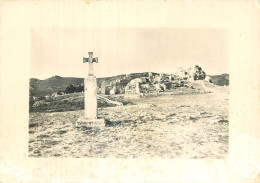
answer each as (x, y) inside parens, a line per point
(91, 122)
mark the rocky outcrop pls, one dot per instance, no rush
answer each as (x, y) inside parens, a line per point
(198, 73)
(133, 86)
(192, 73)
(117, 84)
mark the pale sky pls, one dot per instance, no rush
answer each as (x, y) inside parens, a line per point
(59, 51)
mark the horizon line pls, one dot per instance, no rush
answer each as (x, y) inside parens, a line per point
(110, 75)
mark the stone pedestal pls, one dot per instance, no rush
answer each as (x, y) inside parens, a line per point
(90, 97)
(90, 118)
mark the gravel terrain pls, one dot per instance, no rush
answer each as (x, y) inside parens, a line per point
(165, 126)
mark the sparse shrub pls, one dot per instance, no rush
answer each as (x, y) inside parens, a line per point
(41, 98)
(60, 92)
(70, 89)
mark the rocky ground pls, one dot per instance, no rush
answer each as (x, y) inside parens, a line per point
(164, 126)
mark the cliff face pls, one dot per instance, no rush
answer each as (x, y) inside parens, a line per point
(192, 73)
(123, 79)
(118, 83)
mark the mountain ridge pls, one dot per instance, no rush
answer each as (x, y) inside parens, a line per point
(58, 83)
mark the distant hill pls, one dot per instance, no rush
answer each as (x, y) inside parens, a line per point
(220, 80)
(51, 85)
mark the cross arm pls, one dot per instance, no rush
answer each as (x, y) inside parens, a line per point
(90, 60)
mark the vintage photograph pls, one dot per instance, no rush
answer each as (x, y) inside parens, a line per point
(129, 93)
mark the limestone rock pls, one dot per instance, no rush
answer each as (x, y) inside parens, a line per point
(192, 73)
(40, 103)
(198, 73)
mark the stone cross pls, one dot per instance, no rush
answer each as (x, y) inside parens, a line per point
(90, 85)
(90, 60)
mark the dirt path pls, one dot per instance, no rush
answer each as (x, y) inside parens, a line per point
(110, 101)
